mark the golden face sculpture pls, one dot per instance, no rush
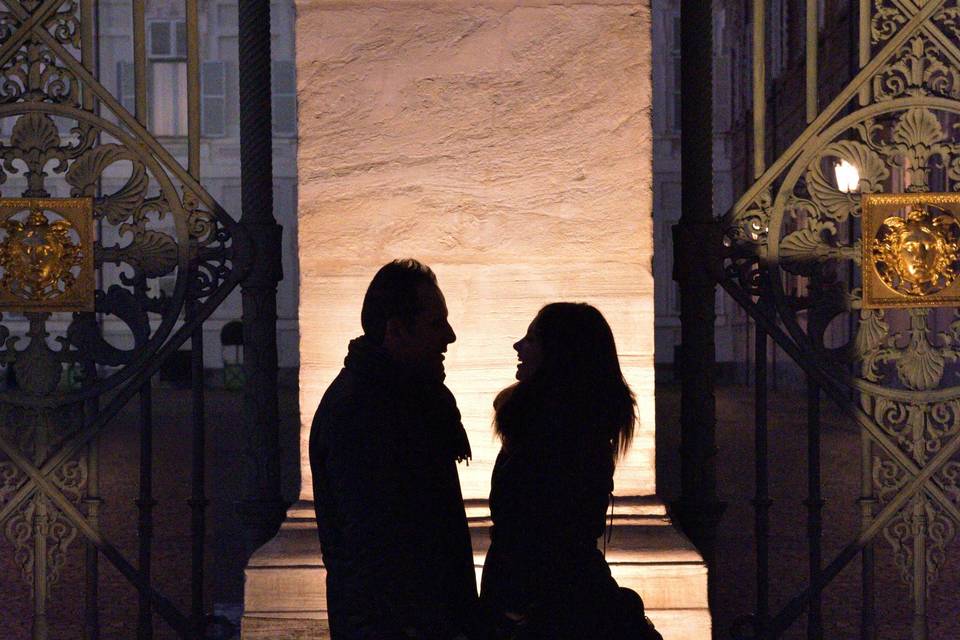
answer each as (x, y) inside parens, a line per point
(918, 255)
(37, 257)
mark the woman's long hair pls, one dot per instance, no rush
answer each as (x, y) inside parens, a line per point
(577, 394)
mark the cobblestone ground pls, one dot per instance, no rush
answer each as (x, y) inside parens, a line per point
(788, 481)
(736, 555)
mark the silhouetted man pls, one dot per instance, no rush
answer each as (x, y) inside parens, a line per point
(384, 446)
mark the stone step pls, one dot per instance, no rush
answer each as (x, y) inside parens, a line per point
(285, 587)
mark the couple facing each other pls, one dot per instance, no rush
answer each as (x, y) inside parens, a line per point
(384, 446)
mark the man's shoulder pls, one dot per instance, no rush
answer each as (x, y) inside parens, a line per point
(348, 398)
(342, 397)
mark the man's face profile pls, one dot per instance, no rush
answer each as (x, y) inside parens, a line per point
(421, 345)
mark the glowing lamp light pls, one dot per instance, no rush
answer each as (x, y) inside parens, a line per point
(848, 177)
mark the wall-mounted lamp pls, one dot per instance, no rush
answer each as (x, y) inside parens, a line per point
(848, 177)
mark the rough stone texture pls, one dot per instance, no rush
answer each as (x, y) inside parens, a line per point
(507, 145)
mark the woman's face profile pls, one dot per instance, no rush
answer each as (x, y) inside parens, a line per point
(529, 353)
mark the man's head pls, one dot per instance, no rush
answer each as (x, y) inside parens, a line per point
(405, 312)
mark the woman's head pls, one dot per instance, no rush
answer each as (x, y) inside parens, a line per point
(568, 365)
(568, 341)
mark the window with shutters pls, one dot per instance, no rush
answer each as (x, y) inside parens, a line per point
(167, 39)
(167, 77)
(284, 98)
(167, 83)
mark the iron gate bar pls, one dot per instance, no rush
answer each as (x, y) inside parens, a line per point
(761, 500)
(811, 62)
(139, 61)
(88, 57)
(198, 498)
(868, 618)
(796, 606)
(864, 47)
(920, 572)
(145, 505)
(759, 88)
(193, 90)
(936, 395)
(91, 613)
(814, 503)
(838, 103)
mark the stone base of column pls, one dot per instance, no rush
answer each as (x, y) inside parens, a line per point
(285, 583)
(285, 589)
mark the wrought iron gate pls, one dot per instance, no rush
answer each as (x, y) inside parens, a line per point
(803, 249)
(74, 252)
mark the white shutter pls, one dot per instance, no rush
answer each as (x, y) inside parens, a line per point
(126, 88)
(283, 83)
(213, 98)
(159, 35)
(180, 38)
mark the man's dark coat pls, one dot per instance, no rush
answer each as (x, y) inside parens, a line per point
(383, 450)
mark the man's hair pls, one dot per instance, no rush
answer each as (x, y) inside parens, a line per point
(394, 293)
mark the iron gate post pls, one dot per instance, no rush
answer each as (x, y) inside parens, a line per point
(262, 508)
(696, 242)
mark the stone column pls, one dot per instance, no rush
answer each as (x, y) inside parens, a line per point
(507, 144)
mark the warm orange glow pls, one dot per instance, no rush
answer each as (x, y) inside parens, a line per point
(490, 307)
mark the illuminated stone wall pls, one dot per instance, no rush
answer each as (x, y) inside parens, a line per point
(506, 144)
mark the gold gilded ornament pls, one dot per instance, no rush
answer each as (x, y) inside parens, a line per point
(918, 255)
(911, 250)
(37, 257)
(46, 254)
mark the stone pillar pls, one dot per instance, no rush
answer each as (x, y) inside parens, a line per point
(507, 144)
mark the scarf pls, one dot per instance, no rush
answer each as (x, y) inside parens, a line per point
(427, 396)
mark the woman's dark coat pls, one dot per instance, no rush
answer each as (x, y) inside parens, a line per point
(548, 501)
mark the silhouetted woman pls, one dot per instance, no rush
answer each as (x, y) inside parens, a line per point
(562, 426)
